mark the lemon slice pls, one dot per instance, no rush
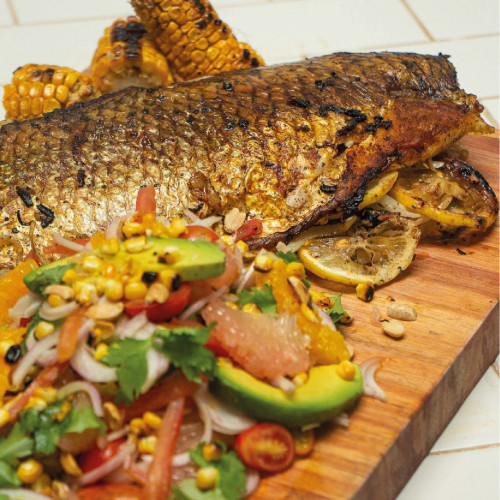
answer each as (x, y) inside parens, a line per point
(450, 192)
(364, 254)
(377, 188)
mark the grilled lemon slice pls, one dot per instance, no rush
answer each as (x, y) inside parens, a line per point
(377, 188)
(450, 192)
(364, 254)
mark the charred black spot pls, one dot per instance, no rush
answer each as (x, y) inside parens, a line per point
(461, 252)
(322, 84)
(80, 177)
(227, 86)
(327, 189)
(201, 24)
(378, 122)
(229, 125)
(25, 196)
(224, 29)
(18, 214)
(254, 62)
(15, 230)
(243, 123)
(190, 119)
(246, 54)
(299, 103)
(217, 22)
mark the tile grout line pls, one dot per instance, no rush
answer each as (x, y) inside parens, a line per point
(458, 450)
(12, 12)
(418, 21)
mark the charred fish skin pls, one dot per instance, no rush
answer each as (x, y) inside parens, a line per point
(264, 140)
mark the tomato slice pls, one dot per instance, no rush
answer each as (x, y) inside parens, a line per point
(111, 491)
(249, 229)
(199, 233)
(157, 313)
(146, 202)
(95, 457)
(304, 442)
(266, 447)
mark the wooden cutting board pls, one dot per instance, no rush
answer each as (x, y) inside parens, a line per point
(427, 375)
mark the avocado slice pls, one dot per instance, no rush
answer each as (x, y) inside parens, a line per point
(198, 260)
(324, 395)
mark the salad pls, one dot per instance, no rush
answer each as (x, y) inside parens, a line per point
(150, 362)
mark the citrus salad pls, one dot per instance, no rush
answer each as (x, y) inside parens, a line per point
(149, 363)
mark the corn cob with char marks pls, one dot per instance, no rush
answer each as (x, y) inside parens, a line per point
(41, 88)
(193, 38)
(127, 56)
(286, 144)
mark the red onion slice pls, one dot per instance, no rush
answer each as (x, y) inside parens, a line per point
(81, 386)
(26, 306)
(84, 363)
(62, 241)
(52, 313)
(370, 386)
(253, 480)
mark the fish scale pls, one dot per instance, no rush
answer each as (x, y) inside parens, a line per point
(375, 111)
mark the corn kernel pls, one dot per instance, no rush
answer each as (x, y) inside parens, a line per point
(70, 277)
(4, 417)
(133, 229)
(69, 465)
(110, 246)
(109, 270)
(5, 345)
(135, 245)
(92, 264)
(157, 292)
(308, 312)
(42, 485)
(212, 452)
(346, 370)
(63, 411)
(300, 379)
(263, 263)
(206, 478)
(166, 277)
(29, 471)
(103, 330)
(43, 329)
(84, 292)
(48, 394)
(55, 300)
(147, 444)
(176, 228)
(250, 307)
(365, 291)
(159, 229)
(113, 290)
(242, 246)
(296, 269)
(227, 240)
(171, 255)
(101, 351)
(148, 220)
(135, 290)
(232, 305)
(112, 415)
(35, 403)
(152, 420)
(137, 426)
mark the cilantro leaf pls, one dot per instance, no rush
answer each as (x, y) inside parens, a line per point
(81, 419)
(288, 257)
(16, 445)
(40, 278)
(336, 311)
(230, 484)
(129, 355)
(8, 476)
(264, 299)
(185, 346)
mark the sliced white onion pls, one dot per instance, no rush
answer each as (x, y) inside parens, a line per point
(31, 357)
(342, 419)
(192, 216)
(182, 459)
(370, 386)
(84, 363)
(391, 205)
(113, 230)
(200, 304)
(26, 306)
(53, 313)
(283, 383)
(128, 327)
(22, 494)
(157, 365)
(30, 339)
(60, 240)
(252, 482)
(109, 466)
(238, 258)
(82, 386)
(47, 358)
(224, 419)
(208, 222)
(103, 440)
(421, 220)
(324, 318)
(145, 332)
(245, 278)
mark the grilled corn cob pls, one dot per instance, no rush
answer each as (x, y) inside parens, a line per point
(40, 88)
(126, 56)
(193, 38)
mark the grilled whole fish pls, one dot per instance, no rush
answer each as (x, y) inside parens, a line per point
(287, 144)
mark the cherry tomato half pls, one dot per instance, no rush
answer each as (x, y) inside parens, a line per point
(249, 229)
(111, 492)
(267, 447)
(304, 442)
(156, 312)
(199, 233)
(146, 202)
(95, 457)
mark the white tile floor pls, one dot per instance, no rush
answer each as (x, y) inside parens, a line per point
(464, 463)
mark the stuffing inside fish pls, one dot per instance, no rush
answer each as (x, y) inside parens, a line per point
(287, 144)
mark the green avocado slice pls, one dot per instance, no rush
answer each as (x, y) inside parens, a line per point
(324, 395)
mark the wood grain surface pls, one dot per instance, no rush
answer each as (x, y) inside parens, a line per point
(426, 375)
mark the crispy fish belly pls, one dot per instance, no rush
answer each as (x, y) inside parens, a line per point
(287, 144)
